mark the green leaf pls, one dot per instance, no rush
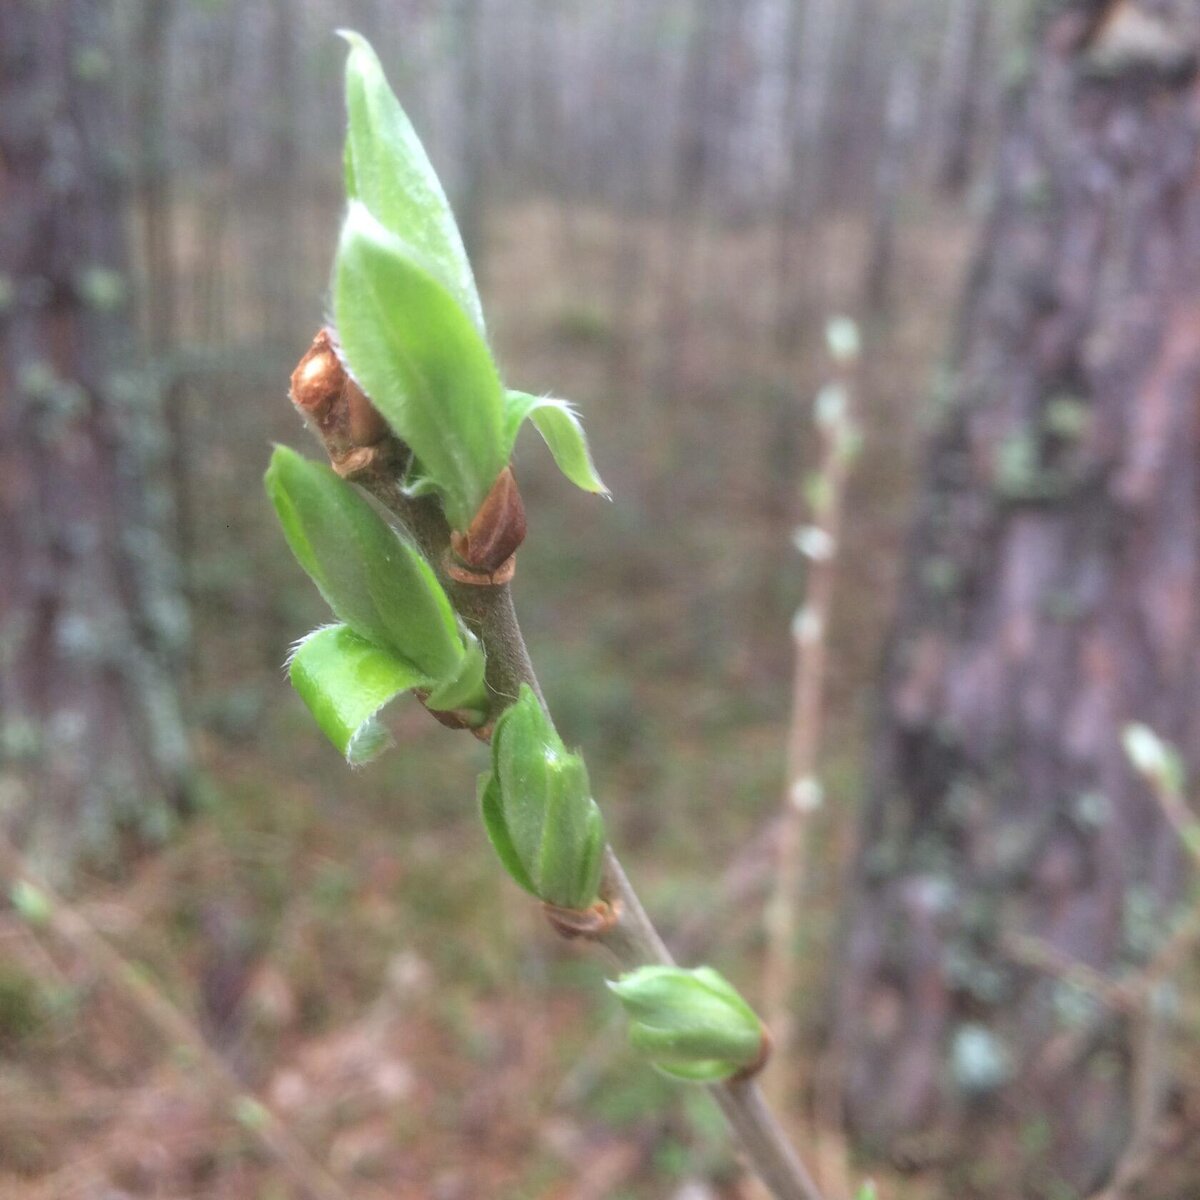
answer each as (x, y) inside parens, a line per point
(345, 680)
(493, 820)
(422, 362)
(465, 689)
(375, 581)
(388, 170)
(538, 808)
(690, 1023)
(562, 432)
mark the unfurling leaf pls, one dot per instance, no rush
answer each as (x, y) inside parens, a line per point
(382, 590)
(562, 432)
(538, 808)
(345, 680)
(388, 170)
(374, 580)
(690, 1023)
(425, 365)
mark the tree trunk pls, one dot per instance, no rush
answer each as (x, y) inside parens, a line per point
(1051, 597)
(91, 742)
(959, 92)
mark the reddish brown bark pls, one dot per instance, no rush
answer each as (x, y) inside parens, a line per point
(1052, 596)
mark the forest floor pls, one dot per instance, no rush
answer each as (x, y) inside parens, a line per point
(344, 942)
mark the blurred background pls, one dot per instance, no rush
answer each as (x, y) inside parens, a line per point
(261, 975)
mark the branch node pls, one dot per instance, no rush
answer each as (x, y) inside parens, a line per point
(496, 530)
(474, 577)
(590, 923)
(353, 430)
(456, 718)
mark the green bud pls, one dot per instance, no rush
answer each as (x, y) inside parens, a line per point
(538, 808)
(690, 1023)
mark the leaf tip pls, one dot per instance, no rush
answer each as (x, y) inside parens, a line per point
(353, 39)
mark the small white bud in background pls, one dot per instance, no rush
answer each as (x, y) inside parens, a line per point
(841, 336)
(814, 542)
(806, 795)
(1153, 758)
(829, 406)
(806, 625)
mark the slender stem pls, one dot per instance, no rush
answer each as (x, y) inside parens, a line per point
(632, 940)
(802, 789)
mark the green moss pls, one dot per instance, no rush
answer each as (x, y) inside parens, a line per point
(1018, 475)
(1066, 416)
(101, 288)
(92, 64)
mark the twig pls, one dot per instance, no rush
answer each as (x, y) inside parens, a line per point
(802, 793)
(631, 939)
(69, 924)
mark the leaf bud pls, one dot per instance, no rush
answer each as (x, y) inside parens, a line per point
(691, 1024)
(538, 808)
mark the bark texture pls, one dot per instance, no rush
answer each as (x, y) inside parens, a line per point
(1052, 596)
(91, 620)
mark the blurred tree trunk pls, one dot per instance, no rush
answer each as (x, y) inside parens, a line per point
(899, 128)
(91, 741)
(1052, 595)
(960, 88)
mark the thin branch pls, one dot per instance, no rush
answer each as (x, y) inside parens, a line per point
(631, 938)
(802, 791)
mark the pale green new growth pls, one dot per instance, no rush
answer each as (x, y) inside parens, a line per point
(421, 360)
(409, 317)
(388, 170)
(691, 1024)
(561, 431)
(538, 809)
(375, 581)
(398, 628)
(345, 680)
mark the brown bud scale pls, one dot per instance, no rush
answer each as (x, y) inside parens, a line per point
(590, 923)
(346, 420)
(496, 530)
